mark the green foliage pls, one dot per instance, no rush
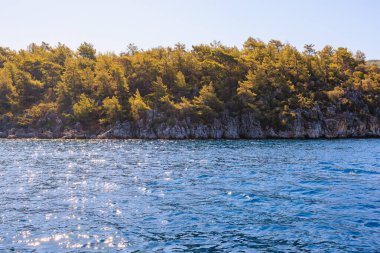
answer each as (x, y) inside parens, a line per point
(273, 80)
(110, 80)
(86, 109)
(180, 87)
(87, 50)
(245, 91)
(38, 114)
(207, 103)
(112, 110)
(186, 108)
(138, 106)
(8, 93)
(335, 94)
(29, 90)
(159, 90)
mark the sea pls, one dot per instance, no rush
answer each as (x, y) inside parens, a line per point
(190, 195)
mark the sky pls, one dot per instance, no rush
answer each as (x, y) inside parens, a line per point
(110, 25)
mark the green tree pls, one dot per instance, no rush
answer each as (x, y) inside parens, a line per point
(207, 103)
(8, 93)
(85, 110)
(138, 106)
(181, 88)
(110, 79)
(245, 91)
(159, 90)
(29, 90)
(71, 86)
(87, 50)
(273, 80)
(112, 110)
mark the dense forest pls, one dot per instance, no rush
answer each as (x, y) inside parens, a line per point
(51, 91)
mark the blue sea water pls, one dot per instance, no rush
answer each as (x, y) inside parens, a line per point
(190, 196)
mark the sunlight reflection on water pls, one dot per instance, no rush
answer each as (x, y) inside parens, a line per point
(91, 196)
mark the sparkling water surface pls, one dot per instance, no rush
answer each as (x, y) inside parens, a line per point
(190, 196)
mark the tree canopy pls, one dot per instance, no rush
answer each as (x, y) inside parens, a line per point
(271, 80)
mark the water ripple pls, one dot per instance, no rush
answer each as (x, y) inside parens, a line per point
(197, 196)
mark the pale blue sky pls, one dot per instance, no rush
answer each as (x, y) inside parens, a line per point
(111, 25)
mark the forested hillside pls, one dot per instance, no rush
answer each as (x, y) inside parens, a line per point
(271, 88)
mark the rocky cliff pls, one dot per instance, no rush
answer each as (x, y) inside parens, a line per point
(246, 126)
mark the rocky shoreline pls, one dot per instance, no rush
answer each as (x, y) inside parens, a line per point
(246, 126)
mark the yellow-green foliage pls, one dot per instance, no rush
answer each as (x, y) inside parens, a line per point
(335, 94)
(86, 109)
(8, 93)
(112, 110)
(245, 91)
(37, 112)
(207, 102)
(138, 106)
(202, 82)
(305, 102)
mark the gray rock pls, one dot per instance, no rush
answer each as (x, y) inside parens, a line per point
(305, 124)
